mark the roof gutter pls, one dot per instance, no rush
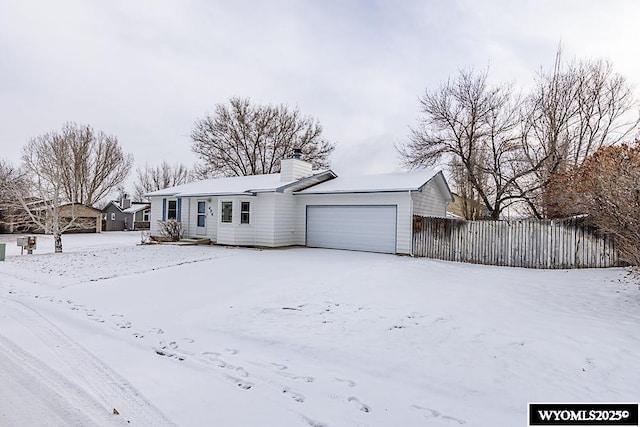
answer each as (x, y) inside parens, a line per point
(357, 191)
(329, 173)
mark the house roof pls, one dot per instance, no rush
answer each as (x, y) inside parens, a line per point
(236, 185)
(137, 207)
(388, 182)
(322, 182)
(80, 205)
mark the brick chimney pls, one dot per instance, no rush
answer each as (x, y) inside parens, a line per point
(125, 202)
(294, 168)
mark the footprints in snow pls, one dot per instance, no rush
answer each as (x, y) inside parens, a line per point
(349, 383)
(164, 352)
(245, 385)
(282, 370)
(173, 345)
(119, 321)
(361, 406)
(432, 413)
(354, 401)
(237, 374)
(240, 374)
(295, 396)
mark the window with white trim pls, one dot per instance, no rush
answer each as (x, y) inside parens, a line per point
(201, 213)
(113, 216)
(172, 209)
(244, 212)
(227, 212)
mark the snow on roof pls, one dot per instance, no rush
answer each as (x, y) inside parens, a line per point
(220, 186)
(399, 181)
(137, 207)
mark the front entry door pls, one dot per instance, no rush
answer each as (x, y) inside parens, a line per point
(201, 224)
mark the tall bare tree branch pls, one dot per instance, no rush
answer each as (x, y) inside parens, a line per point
(159, 177)
(244, 139)
(474, 128)
(574, 110)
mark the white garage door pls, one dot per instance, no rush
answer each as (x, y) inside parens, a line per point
(360, 228)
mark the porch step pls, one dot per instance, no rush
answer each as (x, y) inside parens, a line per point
(195, 241)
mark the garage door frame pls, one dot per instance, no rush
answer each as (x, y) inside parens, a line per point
(395, 223)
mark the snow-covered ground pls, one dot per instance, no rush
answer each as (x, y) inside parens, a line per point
(228, 336)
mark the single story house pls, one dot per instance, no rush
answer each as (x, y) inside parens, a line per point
(124, 214)
(86, 218)
(299, 206)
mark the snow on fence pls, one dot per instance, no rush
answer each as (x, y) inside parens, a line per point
(517, 243)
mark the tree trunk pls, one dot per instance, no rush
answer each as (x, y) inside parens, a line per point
(57, 239)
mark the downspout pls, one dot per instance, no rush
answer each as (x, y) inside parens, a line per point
(410, 224)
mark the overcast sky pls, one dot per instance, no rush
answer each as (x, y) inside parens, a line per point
(146, 70)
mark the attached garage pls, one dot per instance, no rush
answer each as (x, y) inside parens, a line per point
(370, 228)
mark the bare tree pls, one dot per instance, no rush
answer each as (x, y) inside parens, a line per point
(573, 111)
(159, 177)
(92, 162)
(474, 127)
(63, 170)
(606, 187)
(8, 174)
(12, 185)
(243, 139)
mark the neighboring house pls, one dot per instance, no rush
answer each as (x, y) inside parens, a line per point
(126, 215)
(457, 208)
(303, 207)
(87, 219)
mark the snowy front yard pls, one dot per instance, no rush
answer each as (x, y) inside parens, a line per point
(223, 336)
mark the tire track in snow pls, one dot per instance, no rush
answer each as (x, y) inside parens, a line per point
(107, 387)
(32, 392)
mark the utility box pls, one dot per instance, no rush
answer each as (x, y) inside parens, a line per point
(2, 250)
(28, 243)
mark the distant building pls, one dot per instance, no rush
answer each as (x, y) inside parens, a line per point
(15, 220)
(475, 209)
(123, 214)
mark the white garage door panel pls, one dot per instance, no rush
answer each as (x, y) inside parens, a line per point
(361, 228)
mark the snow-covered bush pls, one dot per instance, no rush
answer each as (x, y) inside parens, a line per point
(171, 229)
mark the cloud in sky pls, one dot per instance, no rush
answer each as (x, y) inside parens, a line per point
(146, 70)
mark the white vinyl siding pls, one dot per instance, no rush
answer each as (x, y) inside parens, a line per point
(362, 228)
(274, 216)
(212, 218)
(234, 233)
(156, 215)
(189, 206)
(285, 232)
(430, 201)
(292, 169)
(263, 218)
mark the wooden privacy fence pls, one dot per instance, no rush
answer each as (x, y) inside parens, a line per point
(517, 243)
